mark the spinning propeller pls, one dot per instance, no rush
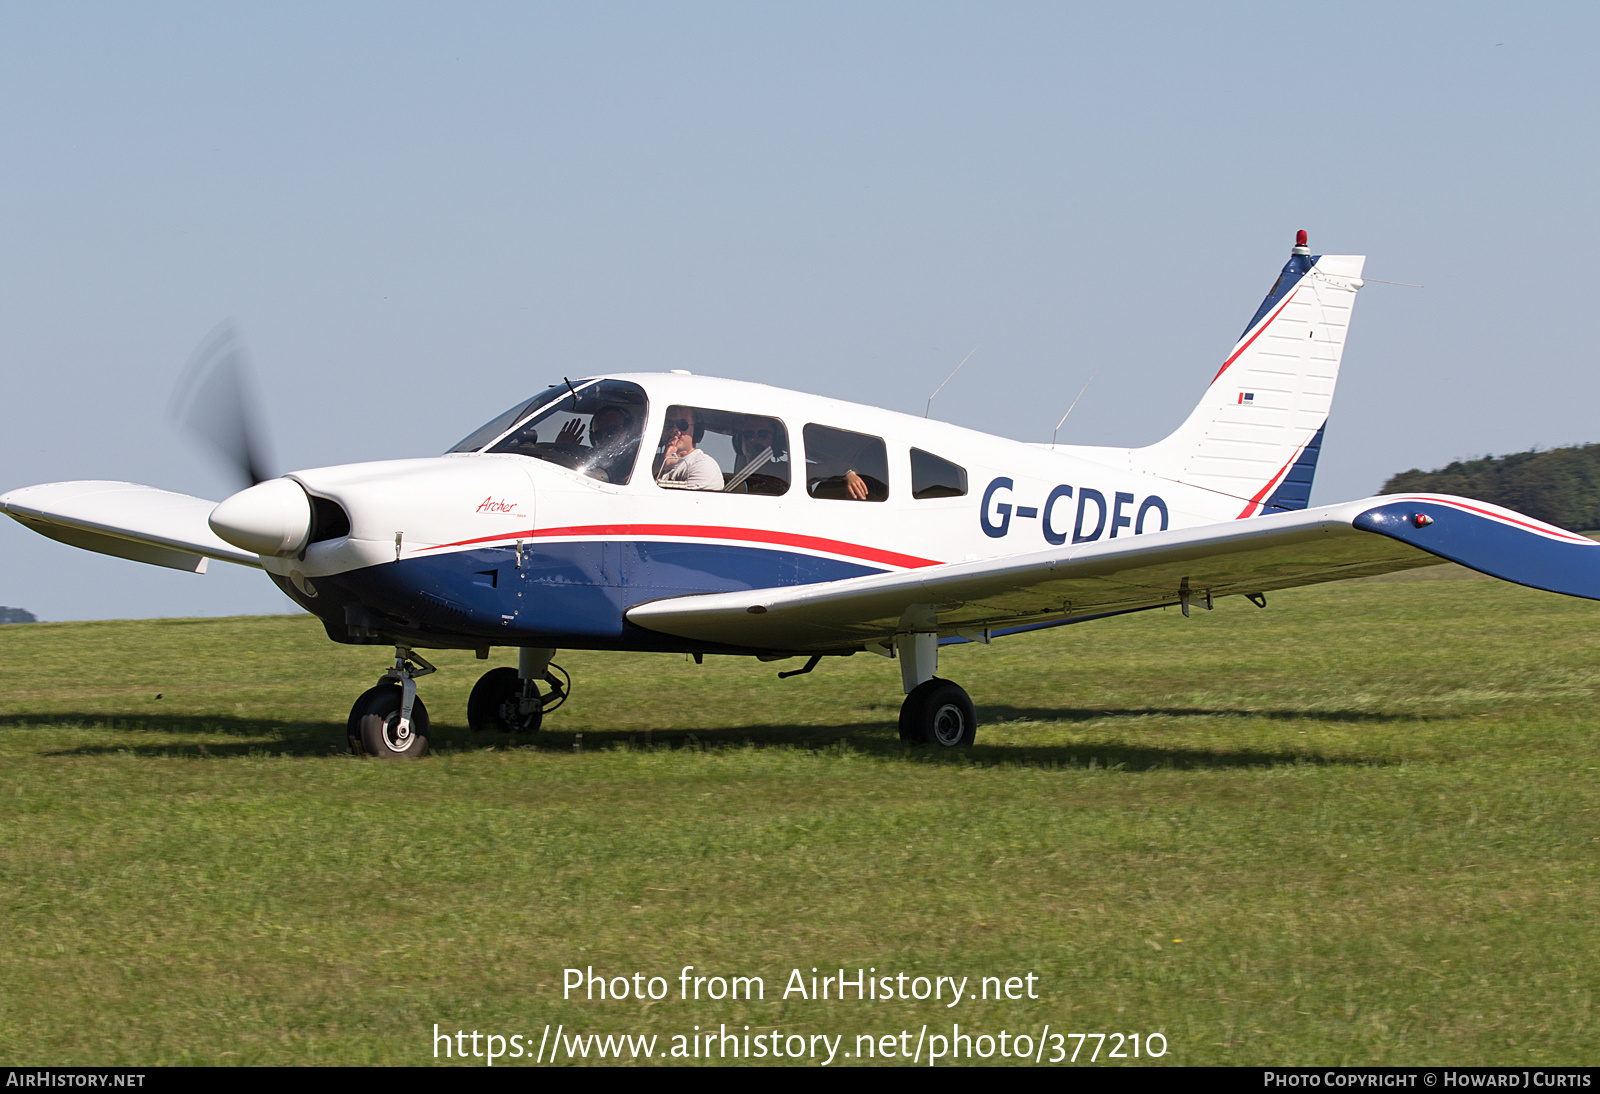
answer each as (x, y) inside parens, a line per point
(217, 402)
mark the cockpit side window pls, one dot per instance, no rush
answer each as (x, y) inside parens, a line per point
(592, 427)
(845, 466)
(722, 450)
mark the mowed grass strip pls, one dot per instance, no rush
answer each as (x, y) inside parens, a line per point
(1368, 813)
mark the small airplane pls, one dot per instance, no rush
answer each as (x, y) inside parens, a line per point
(687, 514)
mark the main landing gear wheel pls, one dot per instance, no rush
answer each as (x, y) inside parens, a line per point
(938, 712)
(504, 699)
(496, 703)
(379, 726)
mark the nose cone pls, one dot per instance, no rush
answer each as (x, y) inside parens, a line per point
(270, 518)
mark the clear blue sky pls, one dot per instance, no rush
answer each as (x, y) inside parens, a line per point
(418, 214)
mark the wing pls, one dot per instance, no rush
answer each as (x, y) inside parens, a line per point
(1258, 555)
(126, 520)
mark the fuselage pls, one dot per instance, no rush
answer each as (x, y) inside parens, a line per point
(486, 548)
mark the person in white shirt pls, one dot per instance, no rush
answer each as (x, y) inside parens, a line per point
(684, 463)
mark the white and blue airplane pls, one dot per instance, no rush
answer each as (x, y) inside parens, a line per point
(679, 513)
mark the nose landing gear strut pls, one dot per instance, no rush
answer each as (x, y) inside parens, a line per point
(389, 720)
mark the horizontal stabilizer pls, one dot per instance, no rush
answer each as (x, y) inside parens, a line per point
(1152, 570)
(126, 520)
(1499, 542)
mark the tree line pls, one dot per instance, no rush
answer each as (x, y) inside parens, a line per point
(1558, 485)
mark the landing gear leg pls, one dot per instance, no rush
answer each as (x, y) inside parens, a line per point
(532, 665)
(390, 719)
(935, 712)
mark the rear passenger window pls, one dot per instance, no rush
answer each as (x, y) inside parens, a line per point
(845, 466)
(932, 477)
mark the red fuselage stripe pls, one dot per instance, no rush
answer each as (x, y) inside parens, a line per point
(697, 531)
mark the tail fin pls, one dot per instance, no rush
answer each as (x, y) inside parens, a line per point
(1256, 434)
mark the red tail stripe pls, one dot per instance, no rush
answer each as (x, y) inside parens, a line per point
(1254, 336)
(697, 531)
(1272, 482)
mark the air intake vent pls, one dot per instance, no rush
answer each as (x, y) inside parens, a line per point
(328, 520)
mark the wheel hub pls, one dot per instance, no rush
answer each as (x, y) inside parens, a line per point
(396, 736)
(948, 724)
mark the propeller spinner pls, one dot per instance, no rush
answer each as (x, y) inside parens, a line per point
(269, 518)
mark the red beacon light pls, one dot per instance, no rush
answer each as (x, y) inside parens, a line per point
(1301, 247)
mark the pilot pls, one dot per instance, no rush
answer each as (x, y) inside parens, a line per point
(684, 463)
(609, 427)
(611, 440)
(605, 426)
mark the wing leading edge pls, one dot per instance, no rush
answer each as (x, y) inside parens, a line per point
(126, 520)
(1354, 539)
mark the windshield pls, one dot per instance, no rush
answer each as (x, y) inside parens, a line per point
(592, 427)
(497, 426)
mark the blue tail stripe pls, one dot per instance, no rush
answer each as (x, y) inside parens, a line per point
(1293, 270)
(1294, 492)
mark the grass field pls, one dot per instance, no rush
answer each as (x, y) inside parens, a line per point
(1369, 813)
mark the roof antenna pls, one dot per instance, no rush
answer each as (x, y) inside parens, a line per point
(1063, 420)
(947, 379)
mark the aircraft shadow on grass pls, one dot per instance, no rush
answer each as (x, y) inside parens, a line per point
(994, 714)
(223, 737)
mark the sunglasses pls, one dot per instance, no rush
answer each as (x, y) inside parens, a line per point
(757, 434)
(680, 424)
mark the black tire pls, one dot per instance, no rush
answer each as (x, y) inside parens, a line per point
(496, 701)
(940, 713)
(362, 708)
(379, 723)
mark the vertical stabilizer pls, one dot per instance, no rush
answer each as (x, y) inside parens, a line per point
(1257, 432)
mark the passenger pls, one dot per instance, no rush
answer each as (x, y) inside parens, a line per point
(754, 437)
(684, 463)
(832, 459)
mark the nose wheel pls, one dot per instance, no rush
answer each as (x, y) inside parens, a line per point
(389, 721)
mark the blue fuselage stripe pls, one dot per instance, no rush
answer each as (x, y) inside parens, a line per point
(568, 591)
